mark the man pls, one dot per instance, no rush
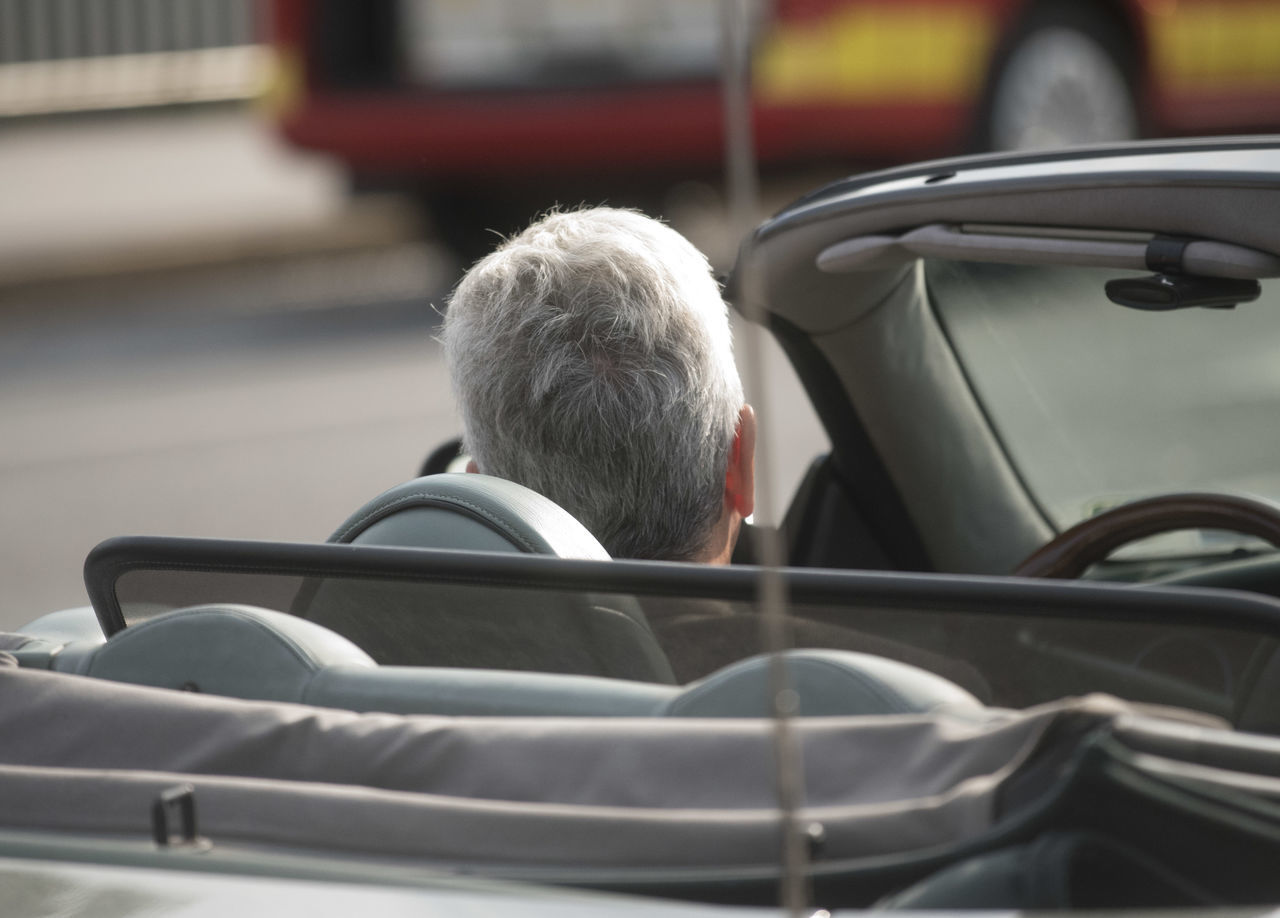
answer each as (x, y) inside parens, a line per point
(592, 362)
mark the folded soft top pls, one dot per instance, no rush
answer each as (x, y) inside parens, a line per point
(505, 791)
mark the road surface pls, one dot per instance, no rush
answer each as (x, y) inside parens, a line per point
(259, 397)
(244, 403)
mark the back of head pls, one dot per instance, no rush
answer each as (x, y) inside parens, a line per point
(592, 362)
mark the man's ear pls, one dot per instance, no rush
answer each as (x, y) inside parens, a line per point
(740, 477)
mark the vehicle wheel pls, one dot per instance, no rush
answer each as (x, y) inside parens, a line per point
(1063, 80)
(1071, 553)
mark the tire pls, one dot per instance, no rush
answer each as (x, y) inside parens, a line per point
(1063, 79)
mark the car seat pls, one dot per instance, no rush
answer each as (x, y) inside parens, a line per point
(239, 651)
(479, 626)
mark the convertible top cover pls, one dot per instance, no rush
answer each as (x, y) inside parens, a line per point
(655, 805)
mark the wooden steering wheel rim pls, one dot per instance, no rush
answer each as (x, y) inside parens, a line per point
(1071, 552)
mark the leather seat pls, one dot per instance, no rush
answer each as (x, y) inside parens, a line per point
(476, 626)
(222, 649)
(473, 512)
(826, 683)
(240, 651)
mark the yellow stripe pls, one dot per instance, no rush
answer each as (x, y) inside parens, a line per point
(901, 52)
(282, 90)
(1216, 46)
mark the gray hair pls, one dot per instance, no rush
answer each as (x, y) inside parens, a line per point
(592, 361)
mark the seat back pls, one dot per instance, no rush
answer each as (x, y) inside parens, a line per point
(230, 650)
(475, 627)
(473, 512)
(827, 683)
(240, 651)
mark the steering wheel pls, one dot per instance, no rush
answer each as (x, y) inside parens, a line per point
(1071, 552)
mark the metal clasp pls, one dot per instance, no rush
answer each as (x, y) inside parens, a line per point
(176, 804)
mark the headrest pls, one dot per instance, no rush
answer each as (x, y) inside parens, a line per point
(469, 511)
(826, 683)
(460, 625)
(231, 650)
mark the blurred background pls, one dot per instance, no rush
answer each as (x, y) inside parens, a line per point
(228, 226)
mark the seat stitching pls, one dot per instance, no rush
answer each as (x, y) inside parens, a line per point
(872, 683)
(439, 501)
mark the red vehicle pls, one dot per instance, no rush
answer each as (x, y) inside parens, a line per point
(467, 94)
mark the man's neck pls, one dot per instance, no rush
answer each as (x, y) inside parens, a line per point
(723, 537)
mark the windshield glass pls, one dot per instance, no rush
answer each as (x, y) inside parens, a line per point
(1098, 405)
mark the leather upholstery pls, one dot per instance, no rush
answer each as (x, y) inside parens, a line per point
(475, 512)
(482, 692)
(473, 626)
(78, 624)
(826, 683)
(246, 652)
(230, 650)
(242, 651)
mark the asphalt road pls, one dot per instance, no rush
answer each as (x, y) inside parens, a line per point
(263, 402)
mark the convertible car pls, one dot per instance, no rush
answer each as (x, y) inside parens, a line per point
(1024, 650)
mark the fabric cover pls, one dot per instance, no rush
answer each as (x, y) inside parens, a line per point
(668, 806)
(608, 791)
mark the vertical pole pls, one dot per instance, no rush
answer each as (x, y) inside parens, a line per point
(96, 29)
(743, 193)
(38, 40)
(10, 37)
(739, 144)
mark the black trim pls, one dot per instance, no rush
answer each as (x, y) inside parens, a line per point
(1165, 254)
(939, 593)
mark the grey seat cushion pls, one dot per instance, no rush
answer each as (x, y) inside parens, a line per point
(826, 683)
(465, 511)
(230, 650)
(246, 652)
(239, 651)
